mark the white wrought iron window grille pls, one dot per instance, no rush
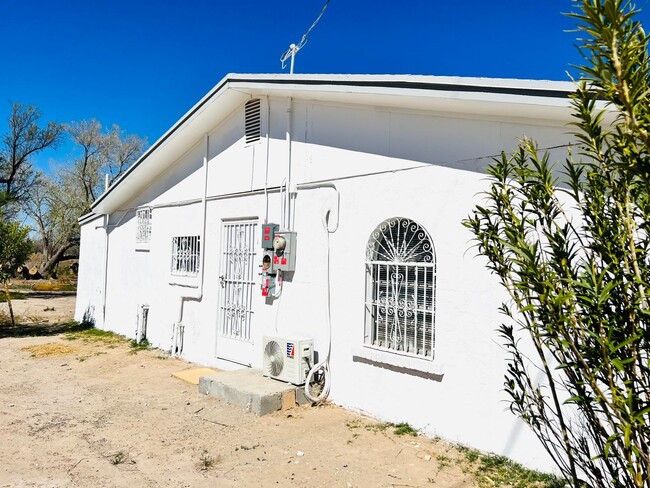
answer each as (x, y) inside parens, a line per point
(401, 289)
(143, 222)
(186, 255)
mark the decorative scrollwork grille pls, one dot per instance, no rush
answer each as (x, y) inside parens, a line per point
(238, 279)
(401, 288)
(186, 255)
(143, 222)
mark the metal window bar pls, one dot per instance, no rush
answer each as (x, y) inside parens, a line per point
(400, 289)
(238, 258)
(143, 222)
(401, 307)
(186, 255)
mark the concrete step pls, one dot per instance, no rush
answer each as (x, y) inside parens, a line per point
(249, 389)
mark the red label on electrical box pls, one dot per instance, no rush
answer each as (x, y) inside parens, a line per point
(284, 261)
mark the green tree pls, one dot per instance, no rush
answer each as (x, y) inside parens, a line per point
(15, 248)
(572, 249)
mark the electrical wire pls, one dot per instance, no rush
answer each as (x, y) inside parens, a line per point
(297, 47)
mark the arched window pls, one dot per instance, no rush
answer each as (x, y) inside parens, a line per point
(401, 288)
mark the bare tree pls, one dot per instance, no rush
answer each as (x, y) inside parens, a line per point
(24, 139)
(56, 202)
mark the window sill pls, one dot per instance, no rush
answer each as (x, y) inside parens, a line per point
(185, 281)
(423, 368)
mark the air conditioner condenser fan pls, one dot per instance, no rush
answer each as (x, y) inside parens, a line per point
(274, 358)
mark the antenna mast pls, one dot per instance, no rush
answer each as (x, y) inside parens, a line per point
(294, 48)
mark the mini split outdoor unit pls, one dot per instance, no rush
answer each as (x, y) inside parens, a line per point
(288, 359)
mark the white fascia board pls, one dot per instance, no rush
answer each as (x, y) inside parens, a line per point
(199, 120)
(89, 217)
(526, 99)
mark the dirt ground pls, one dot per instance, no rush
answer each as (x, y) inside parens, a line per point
(102, 414)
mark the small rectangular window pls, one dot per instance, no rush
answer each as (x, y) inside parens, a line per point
(143, 222)
(186, 255)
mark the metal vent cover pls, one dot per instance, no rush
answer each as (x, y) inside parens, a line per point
(253, 121)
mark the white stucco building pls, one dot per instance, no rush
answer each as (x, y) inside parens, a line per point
(374, 174)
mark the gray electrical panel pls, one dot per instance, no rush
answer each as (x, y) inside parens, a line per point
(284, 251)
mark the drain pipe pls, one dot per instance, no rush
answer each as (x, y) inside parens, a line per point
(178, 330)
(106, 217)
(106, 226)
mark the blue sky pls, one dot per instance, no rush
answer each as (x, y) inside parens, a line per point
(142, 64)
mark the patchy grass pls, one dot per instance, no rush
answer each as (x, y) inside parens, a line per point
(404, 429)
(49, 350)
(206, 461)
(15, 295)
(136, 347)
(491, 470)
(398, 429)
(82, 358)
(54, 287)
(95, 335)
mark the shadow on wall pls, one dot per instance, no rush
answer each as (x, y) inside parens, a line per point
(399, 369)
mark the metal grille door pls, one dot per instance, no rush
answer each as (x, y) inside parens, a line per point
(237, 283)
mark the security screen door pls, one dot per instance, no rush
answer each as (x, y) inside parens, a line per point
(237, 283)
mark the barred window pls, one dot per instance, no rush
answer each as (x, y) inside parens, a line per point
(401, 289)
(143, 222)
(186, 255)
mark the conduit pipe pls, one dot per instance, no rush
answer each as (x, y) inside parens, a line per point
(324, 365)
(287, 202)
(178, 327)
(266, 174)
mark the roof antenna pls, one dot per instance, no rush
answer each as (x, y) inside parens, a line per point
(294, 48)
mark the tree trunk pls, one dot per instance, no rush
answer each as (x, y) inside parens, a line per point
(11, 309)
(46, 267)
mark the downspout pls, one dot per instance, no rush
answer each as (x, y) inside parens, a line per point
(106, 226)
(106, 218)
(178, 328)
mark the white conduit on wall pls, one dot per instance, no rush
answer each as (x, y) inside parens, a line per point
(324, 365)
(178, 328)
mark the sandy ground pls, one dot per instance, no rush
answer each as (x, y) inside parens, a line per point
(99, 415)
(42, 307)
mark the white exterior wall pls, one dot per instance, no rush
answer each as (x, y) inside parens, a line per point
(90, 292)
(464, 402)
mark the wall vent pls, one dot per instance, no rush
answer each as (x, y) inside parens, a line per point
(253, 121)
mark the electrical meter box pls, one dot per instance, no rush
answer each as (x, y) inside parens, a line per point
(284, 251)
(268, 233)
